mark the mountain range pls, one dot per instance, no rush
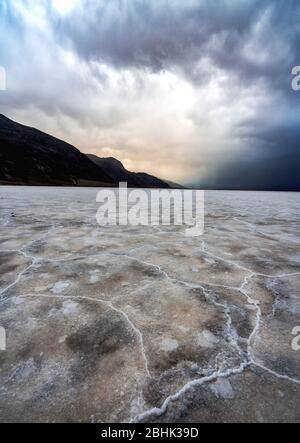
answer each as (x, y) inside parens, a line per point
(31, 157)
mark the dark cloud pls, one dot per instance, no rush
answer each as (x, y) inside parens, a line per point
(274, 165)
(253, 38)
(220, 102)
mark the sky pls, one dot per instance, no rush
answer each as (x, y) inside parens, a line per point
(194, 91)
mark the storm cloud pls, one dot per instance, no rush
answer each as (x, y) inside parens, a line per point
(196, 91)
(249, 37)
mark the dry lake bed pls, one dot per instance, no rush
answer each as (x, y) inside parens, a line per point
(143, 324)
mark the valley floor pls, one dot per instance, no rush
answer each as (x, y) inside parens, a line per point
(145, 324)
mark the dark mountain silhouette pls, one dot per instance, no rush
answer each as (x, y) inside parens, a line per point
(31, 157)
(135, 179)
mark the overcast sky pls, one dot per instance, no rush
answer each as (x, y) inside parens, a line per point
(195, 91)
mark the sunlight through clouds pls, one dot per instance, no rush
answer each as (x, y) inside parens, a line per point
(65, 6)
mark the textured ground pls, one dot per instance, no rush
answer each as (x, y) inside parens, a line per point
(145, 324)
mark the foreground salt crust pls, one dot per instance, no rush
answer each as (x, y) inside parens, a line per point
(144, 324)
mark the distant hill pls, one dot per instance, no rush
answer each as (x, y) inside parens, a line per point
(135, 179)
(174, 185)
(31, 157)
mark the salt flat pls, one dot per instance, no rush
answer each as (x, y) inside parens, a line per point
(109, 324)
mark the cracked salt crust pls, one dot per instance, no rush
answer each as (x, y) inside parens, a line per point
(212, 325)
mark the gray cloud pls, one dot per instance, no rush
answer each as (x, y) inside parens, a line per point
(204, 83)
(251, 37)
(274, 165)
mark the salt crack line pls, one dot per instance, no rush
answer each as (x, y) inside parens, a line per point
(137, 331)
(157, 412)
(294, 274)
(275, 374)
(150, 265)
(251, 301)
(252, 337)
(253, 273)
(174, 280)
(199, 382)
(112, 307)
(231, 331)
(34, 262)
(256, 304)
(234, 288)
(19, 277)
(162, 272)
(216, 257)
